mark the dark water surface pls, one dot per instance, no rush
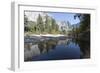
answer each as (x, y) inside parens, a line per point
(47, 48)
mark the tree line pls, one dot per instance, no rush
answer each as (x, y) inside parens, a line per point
(41, 26)
(84, 25)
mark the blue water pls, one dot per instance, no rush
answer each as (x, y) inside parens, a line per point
(62, 51)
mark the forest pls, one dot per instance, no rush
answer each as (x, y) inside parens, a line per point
(49, 26)
(46, 25)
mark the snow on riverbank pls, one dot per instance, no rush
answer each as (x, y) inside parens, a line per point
(47, 35)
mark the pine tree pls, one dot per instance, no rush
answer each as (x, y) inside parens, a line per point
(40, 24)
(47, 24)
(25, 23)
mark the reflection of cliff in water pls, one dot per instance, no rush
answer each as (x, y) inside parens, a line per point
(46, 46)
(63, 47)
(33, 49)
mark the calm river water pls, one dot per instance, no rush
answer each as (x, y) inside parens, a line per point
(48, 48)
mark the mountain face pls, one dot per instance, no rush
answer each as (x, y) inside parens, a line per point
(64, 26)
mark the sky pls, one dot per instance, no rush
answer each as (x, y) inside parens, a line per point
(58, 16)
(65, 17)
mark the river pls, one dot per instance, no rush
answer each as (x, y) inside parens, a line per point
(54, 48)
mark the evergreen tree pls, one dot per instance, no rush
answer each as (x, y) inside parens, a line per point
(47, 24)
(40, 24)
(26, 23)
(84, 21)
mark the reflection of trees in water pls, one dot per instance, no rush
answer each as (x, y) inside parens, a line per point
(30, 51)
(84, 43)
(34, 49)
(65, 42)
(28, 46)
(47, 45)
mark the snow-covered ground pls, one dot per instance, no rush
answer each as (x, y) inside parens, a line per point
(48, 35)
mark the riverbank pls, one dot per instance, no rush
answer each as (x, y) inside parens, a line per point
(46, 35)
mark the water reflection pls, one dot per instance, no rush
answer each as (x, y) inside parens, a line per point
(47, 45)
(84, 47)
(55, 49)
